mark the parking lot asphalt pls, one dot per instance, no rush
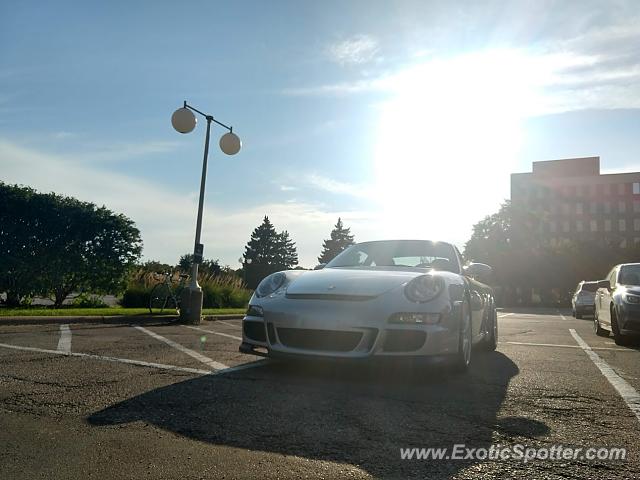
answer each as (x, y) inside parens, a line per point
(162, 400)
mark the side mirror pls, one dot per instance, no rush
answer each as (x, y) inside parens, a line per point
(477, 270)
(604, 284)
(320, 266)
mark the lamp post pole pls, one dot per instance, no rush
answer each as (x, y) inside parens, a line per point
(184, 121)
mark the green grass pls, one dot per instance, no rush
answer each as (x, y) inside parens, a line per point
(81, 312)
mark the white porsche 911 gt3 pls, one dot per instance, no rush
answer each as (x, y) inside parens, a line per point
(392, 298)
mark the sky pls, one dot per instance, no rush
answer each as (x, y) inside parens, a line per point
(403, 118)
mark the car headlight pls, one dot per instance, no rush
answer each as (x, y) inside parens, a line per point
(271, 284)
(635, 299)
(423, 288)
(255, 311)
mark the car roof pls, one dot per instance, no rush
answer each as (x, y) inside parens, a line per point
(406, 240)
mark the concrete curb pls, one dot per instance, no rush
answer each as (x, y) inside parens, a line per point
(115, 319)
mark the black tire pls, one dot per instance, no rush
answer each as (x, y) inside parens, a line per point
(462, 358)
(620, 339)
(601, 332)
(491, 341)
(159, 298)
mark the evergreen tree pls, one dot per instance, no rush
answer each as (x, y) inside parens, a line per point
(262, 248)
(286, 253)
(341, 238)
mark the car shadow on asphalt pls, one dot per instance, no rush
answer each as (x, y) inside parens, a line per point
(355, 414)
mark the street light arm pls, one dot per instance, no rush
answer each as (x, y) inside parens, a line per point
(208, 117)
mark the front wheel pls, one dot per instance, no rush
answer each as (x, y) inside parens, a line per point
(491, 341)
(159, 298)
(601, 332)
(462, 359)
(620, 339)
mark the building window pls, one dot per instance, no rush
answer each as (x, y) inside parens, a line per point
(579, 208)
(566, 208)
(623, 243)
(636, 241)
(552, 226)
(579, 190)
(607, 225)
(593, 207)
(593, 225)
(579, 226)
(621, 188)
(636, 188)
(566, 227)
(622, 207)
(636, 206)
(607, 207)
(622, 225)
(636, 224)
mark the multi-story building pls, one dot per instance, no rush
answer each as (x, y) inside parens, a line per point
(570, 199)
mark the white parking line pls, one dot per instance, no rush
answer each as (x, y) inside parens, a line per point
(192, 353)
(214, 333)
(567, 346)
(626, 391)
(160, 366)
(506, 315)
(64, 344)
(227, 323)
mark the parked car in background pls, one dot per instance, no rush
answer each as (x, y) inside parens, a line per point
(397, 298)
(583, 301)
(618, 303)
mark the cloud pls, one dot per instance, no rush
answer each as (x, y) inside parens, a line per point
(333, 186)
(166, 218)
(355, 50)
(561, 80)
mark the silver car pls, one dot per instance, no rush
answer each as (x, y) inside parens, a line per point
(583, 301)
(395, 298)
(618, 303)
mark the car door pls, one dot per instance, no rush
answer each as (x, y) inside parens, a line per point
(480, 296)
(604, 298)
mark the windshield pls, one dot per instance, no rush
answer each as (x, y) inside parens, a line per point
(629, 275)
(399, 253)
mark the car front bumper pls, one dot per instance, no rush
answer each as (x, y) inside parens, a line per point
(585, 308)
(349, 330)
(629, 319)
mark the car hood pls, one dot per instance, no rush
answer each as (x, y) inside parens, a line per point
(351, 281)
(633, 289)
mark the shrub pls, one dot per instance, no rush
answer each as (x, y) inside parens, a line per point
(85, 300)
(225, 290)
(136, 296)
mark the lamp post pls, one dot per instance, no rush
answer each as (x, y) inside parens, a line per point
(245, 262)
(184, 121)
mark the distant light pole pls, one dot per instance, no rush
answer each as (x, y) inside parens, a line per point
(184, 121)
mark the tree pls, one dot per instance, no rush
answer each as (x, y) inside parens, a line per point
(286, 255)
(57, 245)
(341, 238)
(267, 252)
(524, 261)
(261, 249)
(23, 240)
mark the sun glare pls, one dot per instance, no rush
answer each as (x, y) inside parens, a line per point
(447, 137)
